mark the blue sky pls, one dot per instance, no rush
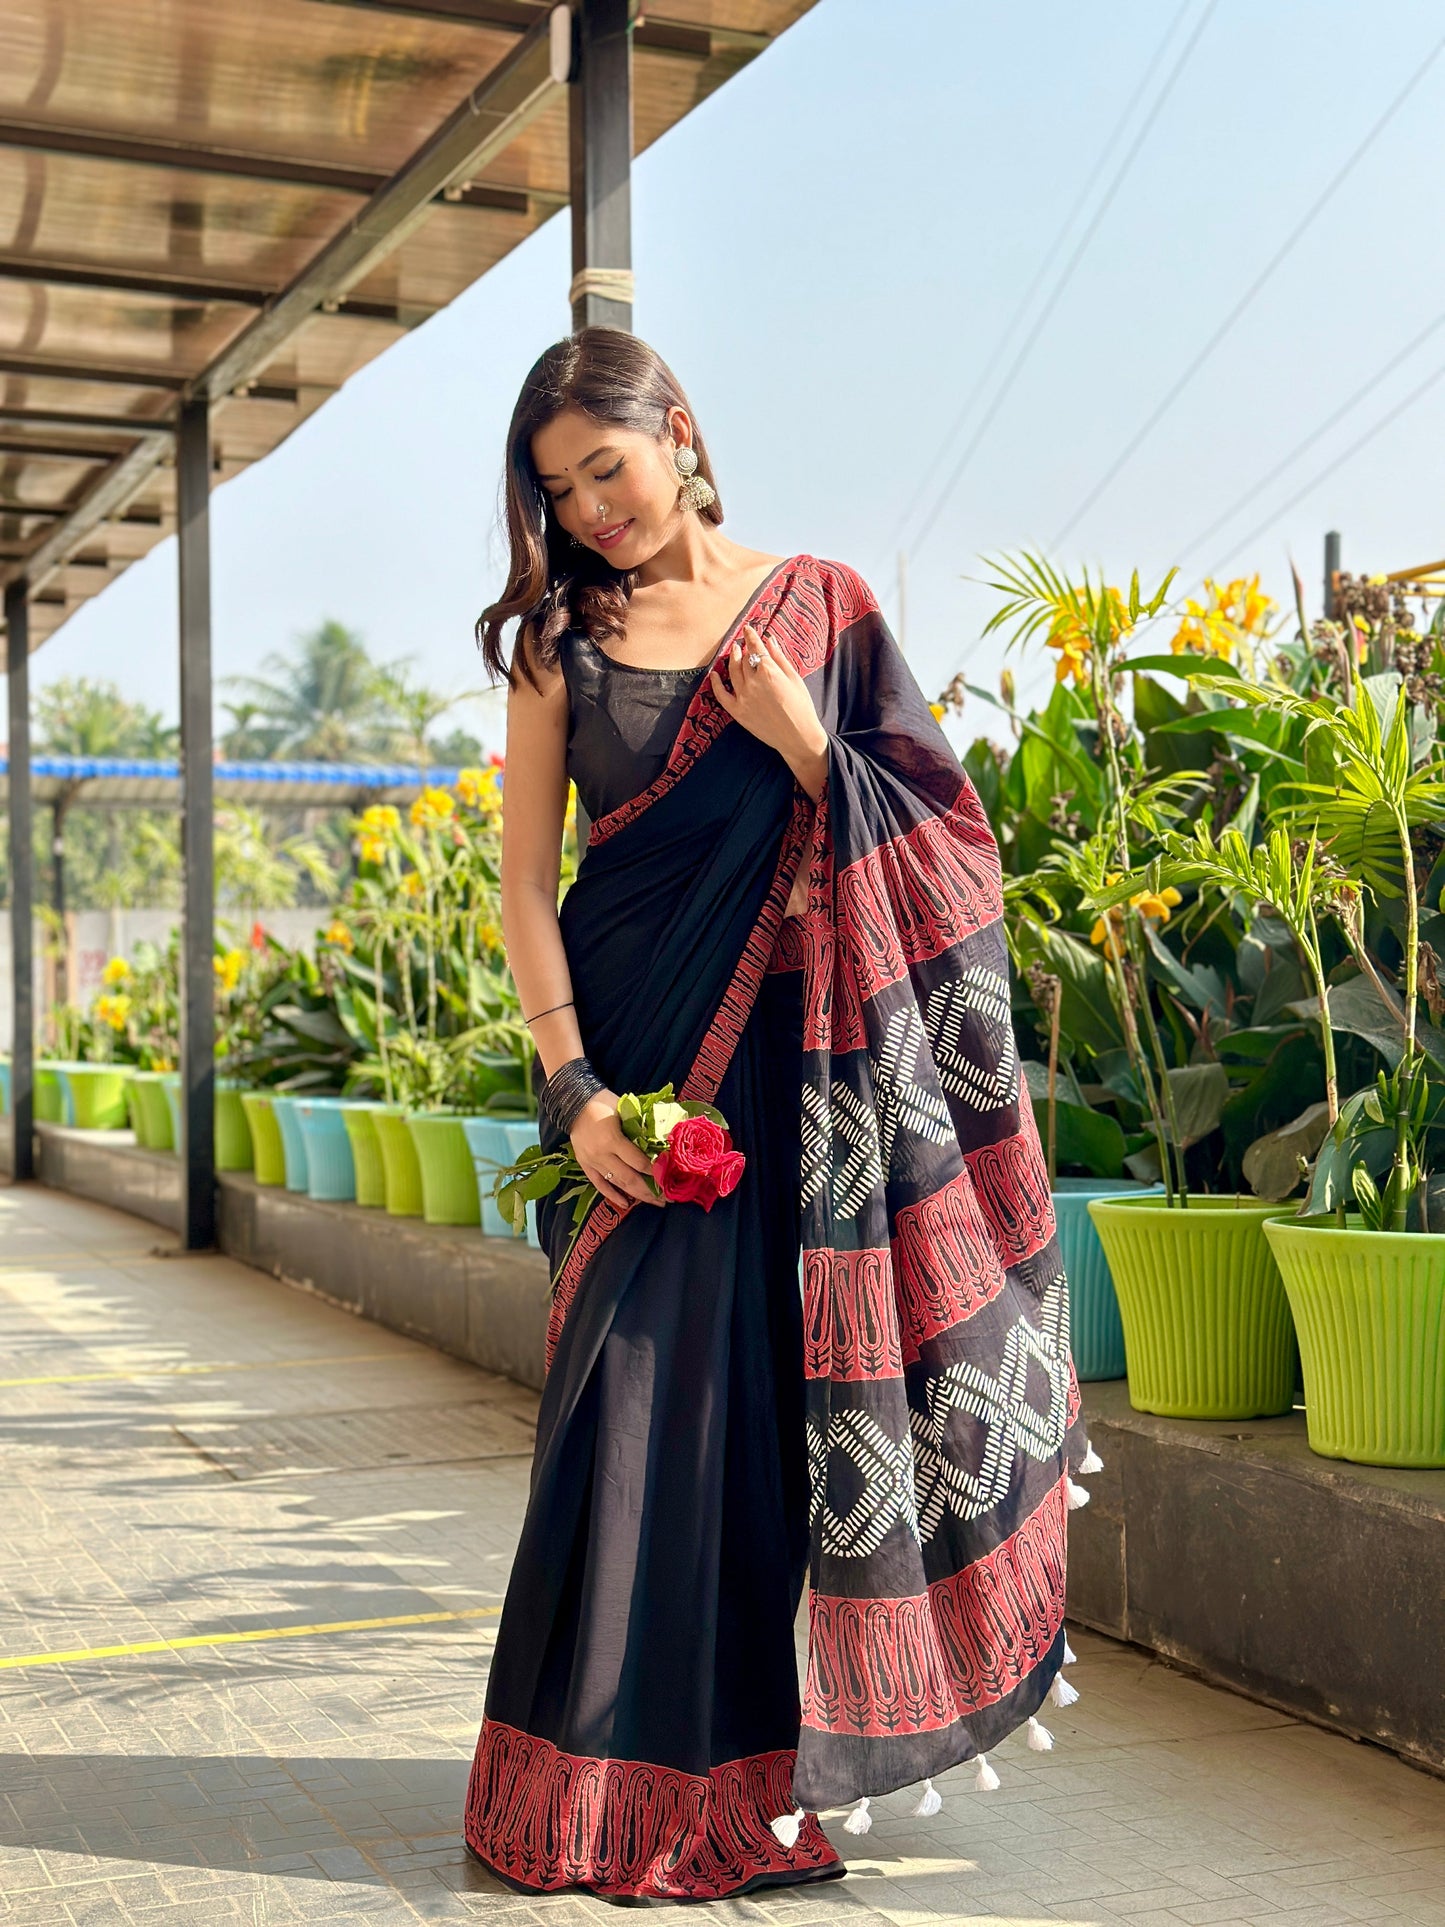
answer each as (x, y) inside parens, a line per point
(833, 250)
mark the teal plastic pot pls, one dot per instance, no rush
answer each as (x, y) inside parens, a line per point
(1096, 1332)
(330, 1173)
(4, 1090)
(398, 1162)
(448, 1177)
(1207, 1326)
(487, 1142)
(292, 1142)
(1369, 1307)
(267, 1150)
(234, 1151)
(519, 1137)
(359, 1123)
(97, 1095)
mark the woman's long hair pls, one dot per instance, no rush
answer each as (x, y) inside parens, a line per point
(553, 583)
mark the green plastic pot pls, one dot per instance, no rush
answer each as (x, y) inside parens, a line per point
(1369, 1307)
(97, 1095)
(448, 1176)
(400, 1170)
(1207, 1326)
(360, 1122)
(151, 1111)
(233, 1133)
(48, 1102)
(1096, 1332)
(268, 1152)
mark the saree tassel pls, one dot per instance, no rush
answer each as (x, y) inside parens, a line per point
(1061, 1693)
(1078, 1495)
(1091, 1462)
(859, 1820)
(986, 1780)
(786, 1827)
(1041, 1740)
(930, 1801)
(1070, 1656)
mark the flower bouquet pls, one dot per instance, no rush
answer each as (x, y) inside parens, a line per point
(689, 1146)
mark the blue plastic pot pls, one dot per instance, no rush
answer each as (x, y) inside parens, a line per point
(519, 1136)
(1096, 1333)
(293, 1145)
(330, 1170)
(487, 1141)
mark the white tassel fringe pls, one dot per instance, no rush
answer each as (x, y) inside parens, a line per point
(859, 1820)
(1077, 1494)
(1041, 1740)
(785, 1828)
(1070, 1656)
(1061, 1693)
(1091, 1462)
(986, 1780)
(930, 1801)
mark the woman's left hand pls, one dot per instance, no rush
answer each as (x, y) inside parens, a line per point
(772, 703)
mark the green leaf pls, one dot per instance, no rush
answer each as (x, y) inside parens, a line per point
(1084, 1136)
(1201, 1092)
(1272, 1162)
(1188, 663)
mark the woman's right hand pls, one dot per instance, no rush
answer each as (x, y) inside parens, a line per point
(619, 1168)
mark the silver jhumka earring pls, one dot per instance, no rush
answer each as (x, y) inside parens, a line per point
(696, 491)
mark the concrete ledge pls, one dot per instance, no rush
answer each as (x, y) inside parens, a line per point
(1315, 1586)
(111, 1168)
(480, 1298)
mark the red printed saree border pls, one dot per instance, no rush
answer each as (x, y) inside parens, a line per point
(549, 1820)
(890, 1667)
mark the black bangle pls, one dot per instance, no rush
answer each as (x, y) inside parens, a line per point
(568, 1092)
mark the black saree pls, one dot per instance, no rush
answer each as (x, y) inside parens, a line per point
(643, 1723)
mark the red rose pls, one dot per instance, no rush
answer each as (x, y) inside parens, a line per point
(699, 1164)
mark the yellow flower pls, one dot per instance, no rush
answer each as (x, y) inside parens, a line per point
(115, 972)
(939, 711)
(113, 1010)
(433, 806)
(1108, 933)
(1238, 611)
(479, 788)
(411, 883)
(491, 936)
(1156, 906)
(378, 825)
(337, 933)
(228, 969)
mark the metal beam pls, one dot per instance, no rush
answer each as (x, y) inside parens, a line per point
(183, 288)
(22, 882)
(198, 917)
(42, 368)
(655, 33)
(64, 418)
(34, 510)
(55, 451)
(107, 498)
(233, 164)
(600, 150)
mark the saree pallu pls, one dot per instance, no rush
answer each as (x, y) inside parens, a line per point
(904, 1434)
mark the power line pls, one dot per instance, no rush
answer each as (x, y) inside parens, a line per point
(1377, 428)
(1016, 365)
(1301, 448)
(1286, 248)
(1050, 254)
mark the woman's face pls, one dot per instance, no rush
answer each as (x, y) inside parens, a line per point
(613, 489)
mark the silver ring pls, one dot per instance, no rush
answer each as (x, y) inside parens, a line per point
(753, 659)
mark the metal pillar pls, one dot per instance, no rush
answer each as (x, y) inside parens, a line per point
(1332, 569)
(57, 899)
(22, 882)
(198, 1059)
(600, 149)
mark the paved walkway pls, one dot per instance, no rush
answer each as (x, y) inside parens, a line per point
(198, 1459)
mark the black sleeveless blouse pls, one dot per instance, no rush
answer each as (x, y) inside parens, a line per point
(622, 721)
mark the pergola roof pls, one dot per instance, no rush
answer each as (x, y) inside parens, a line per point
(248, 200)
(130, 783)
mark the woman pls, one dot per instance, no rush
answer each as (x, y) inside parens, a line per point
(789, 906)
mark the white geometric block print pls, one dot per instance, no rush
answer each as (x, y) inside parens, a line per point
(885, 1499)
(1012, 1422)
(979, 994)
(858, 1174)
